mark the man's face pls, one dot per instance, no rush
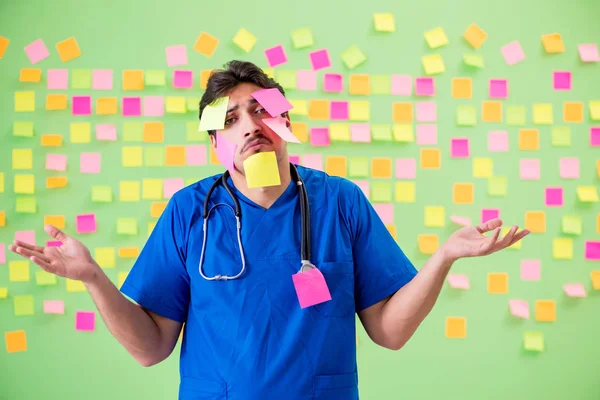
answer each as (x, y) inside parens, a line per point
(244, 127)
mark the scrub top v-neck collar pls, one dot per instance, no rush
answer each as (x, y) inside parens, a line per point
(287, 195)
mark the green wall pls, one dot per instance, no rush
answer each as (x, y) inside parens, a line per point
(490, 363)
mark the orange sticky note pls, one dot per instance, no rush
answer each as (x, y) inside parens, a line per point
(360, 84)
(15, 341)
(553, 43)
(573, 112)
(56, 101)
(3, 45)
(68, 49)
(318, 109)
(175, 156)
(545, 310)
(133, 79)
(204, 76)
(129, 252)
(206, 44)
(475, 35)
(529, 139)
(56, 220)
(402, 112)
(428, 244)
(497, 283)
(463, 193)
(300, 130)
(157, 208)
(381, 167)
(456, 327)
(30, 75)
(106, 105)
(56, 182)
(336, 166)
(535, 221)
(462, 88)
(430, 158)
(491, 111)
(154, 132)
(2, 218)
(51, 140)
(595, 275)
(213, 156)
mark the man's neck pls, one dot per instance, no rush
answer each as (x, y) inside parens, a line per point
(266, 196)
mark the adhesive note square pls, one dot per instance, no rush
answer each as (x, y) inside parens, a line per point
(436, 38)
(278, 125)
(381, 84)
(569, 167)
(273, 101)
(106, 105)
(592, 250)
(587, 194)
(288, 79)
(30, 75)
(54, 307)
(456, 327)
(102, 79)
(531, 270)
(595, 110)
(306, 80)
(466, 115)
(81, 79)
(458, 281)
(24, 184)
(319, 137)
(384, 22)
(497, 186)
(588, 52)
(595, 276)
(319, 59)
(463, 193)
(430, 158)
(314, 161)
(68, 49)
(359, 110)
(176, 105)
(488, 214)
(206, 44)
(132, 156)
(402, 85)
(4, 42)
(86, 223)
(406, 168)
(105, 256)
(353, 57)
(435, 217)
(44, 278)
(595, 136)
(244, 40)
(462, 88)
(497, 283)
(102, 194)
(55, 102)
(474, 60)
(483, 167)
(426, 134)
(336, 166)
(381, 167)
(24, 101)
(428, 244)
(37, 51)
(16, 341)
(26, 205)
(276, 56)
(433, 64)
(2, 245)
(22, 159)
(155, 78)
(561, 80)
(90, 163)
(360, 133)
(402, 112)
(545, 310)
(58, 79)
(333, 82)
(459, 147)
(405, 192)
(18, 271)
(424, 86)
(426, 111)
(131, 106)
(542, 114)
(106, 132)
(574, 290)
(530, 169)
(533, 341)
(359, 167)
(25, 236)
(183, 79)
(302, 38)
(176, 55)
(213, 116)
(553, 43)
(498, 141)
(513, 53)
(81, 105)
(127, 226)
(195, 154)
(85, 321)
(519, 308)
(311, 288)
(554, 196)
(562, 248)
(385, 211)
(339, 110)
(225, 152)
(475, 35)
(516, 115)
(498, 89)
(381, 192)
(23, 305)
(261, 170)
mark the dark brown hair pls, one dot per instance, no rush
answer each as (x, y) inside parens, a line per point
(235, 72)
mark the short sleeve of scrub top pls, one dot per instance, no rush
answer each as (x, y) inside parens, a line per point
(158, 279)
(380, 266)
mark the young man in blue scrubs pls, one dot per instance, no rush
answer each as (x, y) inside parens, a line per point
(248, 338)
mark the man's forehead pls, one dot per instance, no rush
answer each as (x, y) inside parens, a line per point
(240, 102)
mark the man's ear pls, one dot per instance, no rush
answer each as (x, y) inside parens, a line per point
(213, 140)
(288, 122)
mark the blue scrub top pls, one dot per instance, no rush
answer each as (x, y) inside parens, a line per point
(248, 338)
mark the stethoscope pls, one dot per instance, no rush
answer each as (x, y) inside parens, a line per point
(305, 224)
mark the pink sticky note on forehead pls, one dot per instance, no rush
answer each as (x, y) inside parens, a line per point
(56, 162)
(531, 270)
(132, 106)
(401, 85)
(276, 56)
(589, 52)
(85, 321)
(425, 86)
(195, 154)
(592, 250)
(458, 281)
(595, 136)
(314, 161)
(360, 133)
(426, 111)
(561, 80)
(273, 101)
(333, 83)
(311, 288)
(320, 59)
(554, 196)
(36, 51)
(319, 136)
(183, 79)
(225, 152)
(172, 186)
(338, 110)
(513, 53)
(406, 168)
(81, 105)
(102, 79)
(176, 55)
(459, 148)
(498, 89)
(489, 214)
(86, 223)
(279, 126)
(25, 236)
(58, 79)
(306, 80)
(519, 308)
(385, 212)
(54, 307)
(154, 106)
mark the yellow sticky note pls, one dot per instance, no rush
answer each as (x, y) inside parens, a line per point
(587, 194)
(475, 35)
(483, 167)
(43, 278)
(30, 75)
(18, 271)
(463, 193)
(244, 40)
(24, 183)
(533, 341)
(497, 283)
(175, 105)
(595, 276)
(22, 159)
(433, 64)
(1, 182)
(56, 220)
(262, 170)
(456, 327)
(26, 205)
(595, 110)
(133, 80)
(529, 139)
(300, 107)
(74, 286)
(553, 43)
(2, 218)
(175, 156)
(336, 166)
(132, 156)
(157, 208)
(505, 230)
(68, 49)
(428, 244)
(405, 192)
(403, 133)
(436, 38)
(337, 132)
(535, 221)
(129, 191)
(545, 310)
(206, 44)
(56, 102)
(24, 101)
(573, 112)
(24, 305)
(359, 110)
(435, 216)
(542, 114)
(152, 189)
(562, 248)
(16, 341)
(384, 22)
(129, 252)
(213, 115)
(3, 292)
(381, 167)
(80, 132)
(462, 88)
(106, 105)
(51, 140)
(121, 276)
(127, 226)
(105, 257)
(430, 158)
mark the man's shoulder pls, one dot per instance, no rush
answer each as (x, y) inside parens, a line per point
(195, 191)
(323, 182)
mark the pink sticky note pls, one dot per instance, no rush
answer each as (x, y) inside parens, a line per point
(81, 105)
(574, 290)
(406, 168)
(154, 106)
(106, 132)
(561, 80)
(132, 106)
(513, 53)
(360, 133)
(37, 51)
(489, 214)
(90, 163)
(311, 288)
(102, 79)
(314, 161)
(2, 253)
(592, 250)
(426, 134)
(569, 167)
(58, 79)
(195, 154)
(225, 152)
(25, 236)
(306, 80)
(498, 89)
(595, 136)
(459, 147)
(529, 169)
(459, 220)
(401, 85)
(497, 141)
(294, 159)
(183, 79)
(385, 212)
(273, 101)
(279, 126)
(426, 111)
(172, 186)
(276, 56)
(338, 110)
(86, 223)
(319, 59)
(519, 308)
(56, 162)
(554, 196)
(176, 55)
(589, 52)
(85, 321)
(531, 270)
(364, 186)
(425, 86)
(319, 136)
(53, 243)
(333, 83)
(54, 307)
(458, 281)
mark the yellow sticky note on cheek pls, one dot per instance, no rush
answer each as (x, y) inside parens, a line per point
(261, 170)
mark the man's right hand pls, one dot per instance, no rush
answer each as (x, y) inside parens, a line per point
(70, 260)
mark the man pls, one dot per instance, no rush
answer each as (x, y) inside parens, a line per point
(249, 338)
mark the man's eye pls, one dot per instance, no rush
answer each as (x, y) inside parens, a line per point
(229, 121)
(259, 110)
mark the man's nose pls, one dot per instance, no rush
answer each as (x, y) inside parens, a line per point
(251, 127)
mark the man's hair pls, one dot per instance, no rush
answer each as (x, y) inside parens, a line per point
(235, 72)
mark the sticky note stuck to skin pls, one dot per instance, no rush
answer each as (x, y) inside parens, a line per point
(261, 170)
(311, 288)
(279, 126)
(225, 152)
(213, 115)
(273, 101)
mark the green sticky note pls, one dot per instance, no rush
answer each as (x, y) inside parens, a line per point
(43, 278)
(287, 79)
(358, 167)
(473, 60)
(353, 57)
(533, 341)
(192, 133)
(571, 224)
(213, 115)
(302, 38)
(26, 205)
(23, 305)
(339, 132)
(381, 192)
(155, 78)
(381, 132)
(381, 84)
(516, 115)
(497, 185)
(154, 156)
(193, 104)
(127, 226)
(23, 129)
(102, 194)
(81, 79)
(466, 115)
(133, 132)
(561, 136)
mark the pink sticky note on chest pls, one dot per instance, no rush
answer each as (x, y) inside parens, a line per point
(311, 288)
